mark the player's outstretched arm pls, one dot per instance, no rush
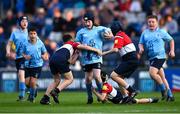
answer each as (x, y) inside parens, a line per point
(102, 96)
(110, 51)
(84, 47)
(74, 57)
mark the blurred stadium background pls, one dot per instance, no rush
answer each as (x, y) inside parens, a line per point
(53, 18)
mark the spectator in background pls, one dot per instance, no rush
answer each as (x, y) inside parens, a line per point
(8, 23)
(39, 20)
(71, 22)
(171, 24)
(162, 24)
(52, 6)
(135, 6)
(3, 59)
(59, 24)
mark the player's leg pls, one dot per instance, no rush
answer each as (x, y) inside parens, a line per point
(120, 80)
(125, 95)
(124, 70)
(145, 100)
(22, 85)
(88, 81)
(155, 75)
(97, 75)
(155, 66)
(68, 79)
(53, 84)
(21, 77)
(46, 98)
(27, 82)
(33, 88)
(169, 92)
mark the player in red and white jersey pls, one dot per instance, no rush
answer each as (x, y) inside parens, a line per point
(115, 96)
(129, 63)
(59, 65)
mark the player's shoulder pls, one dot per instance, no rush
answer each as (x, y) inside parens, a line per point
(100, 27)
(161, 30)
(82, 30)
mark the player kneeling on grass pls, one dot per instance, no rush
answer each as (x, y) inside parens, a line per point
(59, 65)
(115, 96)
(34, 53)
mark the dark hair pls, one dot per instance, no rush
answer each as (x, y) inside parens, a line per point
(67, 37)
(104, 76)
(32, 28)
(116, 26)
(152, 16)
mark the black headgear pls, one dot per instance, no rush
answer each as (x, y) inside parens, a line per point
(116, 26)
(22, 18)
(104, 76)
(89, 16)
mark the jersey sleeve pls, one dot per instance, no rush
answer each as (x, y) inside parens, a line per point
(118, 42)
(166, 36)
(75, 44)
(43, 48)
(12, 37)
(141, 41)
(78, 37)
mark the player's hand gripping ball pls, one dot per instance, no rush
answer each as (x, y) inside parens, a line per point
(107, 34)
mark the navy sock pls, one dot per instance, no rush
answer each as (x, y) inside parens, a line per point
(32, 93)
(99, 85)
(162, 87)
(89, 91)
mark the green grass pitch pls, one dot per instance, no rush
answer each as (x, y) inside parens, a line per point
(75, 102)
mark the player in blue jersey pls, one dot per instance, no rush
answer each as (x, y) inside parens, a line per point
(59, 65)
(91, 35)
(34, 53)
(19, 37)
(153, 41)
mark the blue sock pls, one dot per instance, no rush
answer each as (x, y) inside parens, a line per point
(32, 93)
(89, 91)
(162, 87)
(99, 85)
(22, 88)
(169, 93)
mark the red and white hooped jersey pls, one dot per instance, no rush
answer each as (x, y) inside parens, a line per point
(123, 43)
(71, 46)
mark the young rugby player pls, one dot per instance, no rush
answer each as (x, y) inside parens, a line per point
(34, 53)
(59, 65)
